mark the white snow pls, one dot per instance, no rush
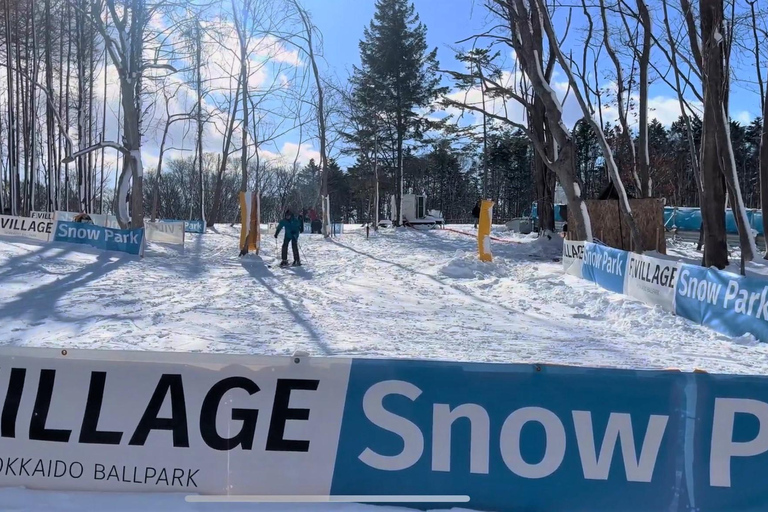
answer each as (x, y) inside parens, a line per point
(402, 293)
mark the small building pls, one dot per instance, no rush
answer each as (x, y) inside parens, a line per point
(415, 211)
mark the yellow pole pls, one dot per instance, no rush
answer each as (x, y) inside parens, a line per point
(484, 231)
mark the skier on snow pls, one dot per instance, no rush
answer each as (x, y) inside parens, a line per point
(476, 212)
(291, 225)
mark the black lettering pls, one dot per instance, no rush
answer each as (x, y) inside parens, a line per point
(175, 477)
(190, 477)
(9, 467)
(72, 473)
(98, 472)
(135, 470)
(40, 468)
(23, 466)
(162, 478)
(281, 413)
(113, 472)
(177, 423)
(89, 433)
(147, 474)
(124, 479)
(210, 409)
(37, 430)
(56, 469)
(12, 402)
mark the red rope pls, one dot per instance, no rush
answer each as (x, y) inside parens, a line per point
(495, 239)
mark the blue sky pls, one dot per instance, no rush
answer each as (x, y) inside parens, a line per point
(342, 23)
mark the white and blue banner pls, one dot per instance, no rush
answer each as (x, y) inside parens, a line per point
(728, 303)
(509, 437)
(130, 241)
(194, 226)
(604, 266)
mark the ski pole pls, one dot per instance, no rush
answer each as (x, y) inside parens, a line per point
(301, 251)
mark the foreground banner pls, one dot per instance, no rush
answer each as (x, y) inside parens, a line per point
(130, 241)
(165, 232)
(39, 229)
(605, 440)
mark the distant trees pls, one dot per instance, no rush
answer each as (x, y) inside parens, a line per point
(397, 76)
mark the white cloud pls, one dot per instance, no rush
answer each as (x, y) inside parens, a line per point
(289, 152)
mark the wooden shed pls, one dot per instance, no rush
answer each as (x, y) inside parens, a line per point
(609, 224)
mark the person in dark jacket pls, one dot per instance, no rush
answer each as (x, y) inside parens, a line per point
(291, 225)
(476, 212)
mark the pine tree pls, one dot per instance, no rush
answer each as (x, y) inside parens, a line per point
(397, 76)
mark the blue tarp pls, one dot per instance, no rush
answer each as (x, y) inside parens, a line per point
(689, 219)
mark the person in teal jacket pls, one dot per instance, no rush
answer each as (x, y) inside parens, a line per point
(292, 229)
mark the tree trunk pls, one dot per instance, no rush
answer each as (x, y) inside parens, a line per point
(12, 155)
(51, 156)
(218, 187)
(610, 163)
(642, 140)
(626, 134)
(199, 89)
(543, 176)
(764, 174)
(713, 185)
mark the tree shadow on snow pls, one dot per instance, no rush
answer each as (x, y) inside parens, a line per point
(263, 275)
(40, 303)
(29, 262)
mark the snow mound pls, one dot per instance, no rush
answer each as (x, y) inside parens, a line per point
(467, 266)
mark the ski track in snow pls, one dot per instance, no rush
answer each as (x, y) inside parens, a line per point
(401, 293)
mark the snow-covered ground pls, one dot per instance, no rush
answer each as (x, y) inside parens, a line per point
(401, 293)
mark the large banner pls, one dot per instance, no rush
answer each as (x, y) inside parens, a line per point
(573, 257)
(728, 303)
(510, 437)
(165, 232)
(106, 239)
(39, 229)
(604, 266)
(112, 421)
(652, 280)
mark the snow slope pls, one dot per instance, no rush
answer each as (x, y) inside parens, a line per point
(401, 293)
